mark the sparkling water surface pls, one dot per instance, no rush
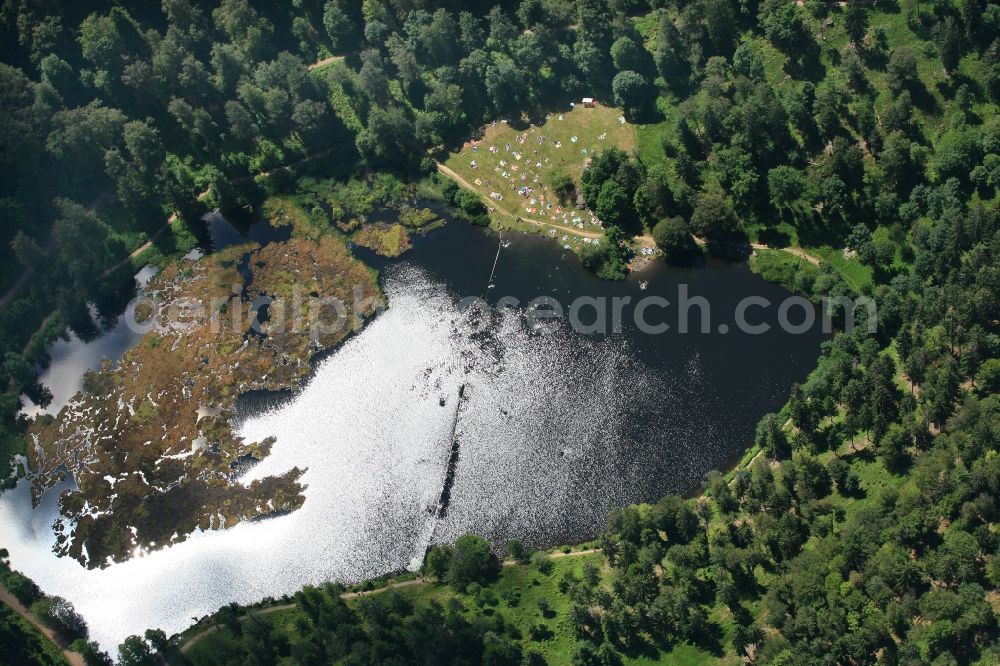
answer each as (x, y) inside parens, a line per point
(556, 429)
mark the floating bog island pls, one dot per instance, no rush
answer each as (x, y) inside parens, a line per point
(149, 442)
(387, 240)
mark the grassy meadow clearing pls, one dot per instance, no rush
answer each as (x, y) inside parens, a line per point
(514, 168)
(535, 599)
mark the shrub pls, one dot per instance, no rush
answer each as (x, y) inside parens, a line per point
(544, 607)
(472, 560)
(988, 376)
(542, 562)
(22, 587)
(516, 551)
(563, 186)
(438, 561)
(631, 93)
(674, 238)
(607, 259)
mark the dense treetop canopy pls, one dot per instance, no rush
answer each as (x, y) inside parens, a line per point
(866, 133)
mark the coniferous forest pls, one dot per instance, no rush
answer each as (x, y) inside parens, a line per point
(863, 136)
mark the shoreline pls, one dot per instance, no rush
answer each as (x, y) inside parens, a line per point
(562, 545)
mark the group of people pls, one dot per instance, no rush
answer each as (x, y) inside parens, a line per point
(523, 178)
(521, 173)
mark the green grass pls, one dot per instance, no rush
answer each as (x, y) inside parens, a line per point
(385, 240)
(646, 25)
(928, 68)
(783, 268)
(223, 642)
(531, 586)
(339, 99)
(587, 125)
(767, 232)
(209, 649)
(650, 140)
(774, 61)
(858, 276)
(683, 654)
(514, 595)
(873, 476)
(323, 55)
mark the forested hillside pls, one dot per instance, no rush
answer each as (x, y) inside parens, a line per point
(861, 529)
(121, 114)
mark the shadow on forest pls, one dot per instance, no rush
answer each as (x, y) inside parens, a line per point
(523, 121)
(814, 230)
(949, 88)
(709, 638)
(866, 454)
(806, 65)
(774, 237)
(922, 98)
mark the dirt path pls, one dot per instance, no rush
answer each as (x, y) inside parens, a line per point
(74, 658)
(274, 609)
(645, 240)
(173, 218)
(145, 246)
(41, 327)
(304, 160)
(365, 593)
(390, 586)
(558, 227)
(575, 553)
(447, 171)
(325, 61)
(132, 255)
(796, 251)
(454, 176)
(572, 553)
(156, 234)
(215, 627)
(15, 288)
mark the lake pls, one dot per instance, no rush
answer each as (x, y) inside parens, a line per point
(555, 427)
(70, 357)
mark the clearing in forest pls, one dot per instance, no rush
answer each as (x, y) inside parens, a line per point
(515, 168)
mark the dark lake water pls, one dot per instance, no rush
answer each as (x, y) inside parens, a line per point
(697, 393)
(555, 427)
